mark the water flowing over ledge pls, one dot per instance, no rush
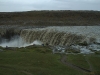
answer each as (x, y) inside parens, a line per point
(66, 35)
(54, 35)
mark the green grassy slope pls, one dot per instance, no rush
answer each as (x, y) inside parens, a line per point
(78, 60)
(33, 61)
(95, 61)
(82, 61)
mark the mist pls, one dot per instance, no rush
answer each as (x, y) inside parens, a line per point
(17, 41)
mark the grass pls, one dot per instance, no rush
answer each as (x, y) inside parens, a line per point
(33, 61)
(95, 61)
(78, 60)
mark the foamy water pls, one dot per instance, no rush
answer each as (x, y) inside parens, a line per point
(19, 42)
(88, 31)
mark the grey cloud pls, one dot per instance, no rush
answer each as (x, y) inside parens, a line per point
(26, 5)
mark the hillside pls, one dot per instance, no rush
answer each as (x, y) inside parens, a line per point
(50, 18)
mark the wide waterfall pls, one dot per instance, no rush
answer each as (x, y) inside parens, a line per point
(57, 35)
(54, 35)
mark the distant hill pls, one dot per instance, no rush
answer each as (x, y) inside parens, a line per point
(50, 18)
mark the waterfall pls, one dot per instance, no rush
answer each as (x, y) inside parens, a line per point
(65, 35)
(51, 37)
(54, 35)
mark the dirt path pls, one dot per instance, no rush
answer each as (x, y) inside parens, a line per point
(64, 61)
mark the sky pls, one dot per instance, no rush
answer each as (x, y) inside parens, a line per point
(28, 5)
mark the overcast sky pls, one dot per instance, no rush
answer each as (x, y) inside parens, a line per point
(27, 5)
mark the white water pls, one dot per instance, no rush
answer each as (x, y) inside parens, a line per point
(87, 49)
(18, 42)
(88, 31)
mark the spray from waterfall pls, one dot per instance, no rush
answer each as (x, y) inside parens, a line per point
(17, 41)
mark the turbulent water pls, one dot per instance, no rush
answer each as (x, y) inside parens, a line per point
(55, 35)
(18, 42)
(62, 35)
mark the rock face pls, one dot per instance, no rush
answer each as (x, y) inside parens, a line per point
(62, 35)
(7, 32)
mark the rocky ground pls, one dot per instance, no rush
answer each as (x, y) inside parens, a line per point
(51, 18)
